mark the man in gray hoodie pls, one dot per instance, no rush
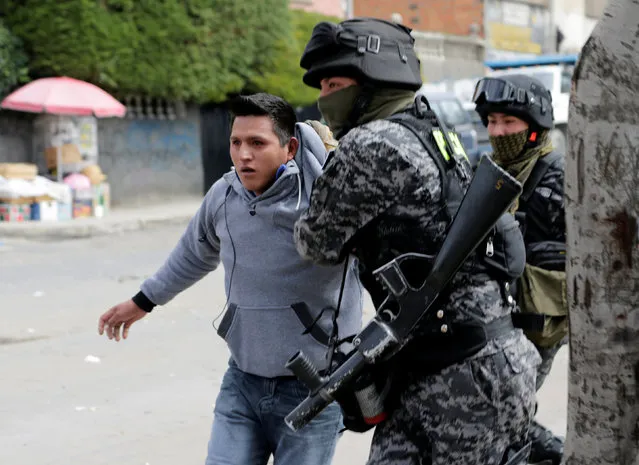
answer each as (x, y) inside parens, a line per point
(277, 302)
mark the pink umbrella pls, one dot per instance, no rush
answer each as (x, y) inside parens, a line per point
(64, 96)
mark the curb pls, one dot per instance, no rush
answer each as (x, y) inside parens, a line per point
(86, 228)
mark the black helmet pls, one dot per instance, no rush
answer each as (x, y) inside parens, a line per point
(516, 94)
(370, 50)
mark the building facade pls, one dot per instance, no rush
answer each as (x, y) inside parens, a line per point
(335, 8)
(517, 29)
(454, 17)
(448, 33)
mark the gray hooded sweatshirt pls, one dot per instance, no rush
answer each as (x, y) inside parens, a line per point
(273, 294)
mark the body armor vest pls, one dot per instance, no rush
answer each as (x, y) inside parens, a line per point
(502, 255)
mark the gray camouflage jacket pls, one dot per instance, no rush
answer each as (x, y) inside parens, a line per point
(380, 196)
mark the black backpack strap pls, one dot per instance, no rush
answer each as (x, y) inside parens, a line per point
(538, 173)
(420, 125)
(408, 122)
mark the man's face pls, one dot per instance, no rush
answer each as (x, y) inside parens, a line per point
(501, 124)
(256, 152)
(333, 84)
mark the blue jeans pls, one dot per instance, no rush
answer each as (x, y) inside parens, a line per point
(248, 424)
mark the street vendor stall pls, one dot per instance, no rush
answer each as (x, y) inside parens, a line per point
(67, 100)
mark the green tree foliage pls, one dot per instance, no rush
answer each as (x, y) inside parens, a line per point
(13, 61)
(283, 75)
(193, 50)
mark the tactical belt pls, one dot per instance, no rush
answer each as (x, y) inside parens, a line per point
(500, 326)
(435, 350)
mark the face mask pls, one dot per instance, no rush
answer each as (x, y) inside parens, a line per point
(337, 107)
(508, 148)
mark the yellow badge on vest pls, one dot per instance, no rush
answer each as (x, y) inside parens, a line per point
(457, 147)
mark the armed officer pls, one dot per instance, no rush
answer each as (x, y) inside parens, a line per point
(517, 111)
(388, 189)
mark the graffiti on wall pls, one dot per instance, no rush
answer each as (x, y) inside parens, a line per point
(160, 144)
(151, 158)
(178, 139)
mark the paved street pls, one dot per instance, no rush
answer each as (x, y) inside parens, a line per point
(70, 397)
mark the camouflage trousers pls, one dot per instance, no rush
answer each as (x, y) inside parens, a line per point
(547, 357)
(469, 413)
(544, 442)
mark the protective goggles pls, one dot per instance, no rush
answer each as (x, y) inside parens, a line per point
(493, 90)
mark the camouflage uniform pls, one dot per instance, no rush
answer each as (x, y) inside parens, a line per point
(546, 204)
(547, 359)
(541, 206)
(380, 196)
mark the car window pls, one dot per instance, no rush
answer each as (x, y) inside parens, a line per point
(450, 111)
(474, 116)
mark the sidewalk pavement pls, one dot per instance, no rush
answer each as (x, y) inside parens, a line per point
(118, 220)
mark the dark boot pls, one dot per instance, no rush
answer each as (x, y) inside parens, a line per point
(546, 447)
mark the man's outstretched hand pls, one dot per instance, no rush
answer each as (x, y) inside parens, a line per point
(117, 321)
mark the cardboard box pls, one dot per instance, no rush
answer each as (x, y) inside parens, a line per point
(15, 212)
(26, 171)
(69, 153)
(82, 208)
(44, 211)
(65, 202)
(65, 211)
(17, 200)
(82, 203)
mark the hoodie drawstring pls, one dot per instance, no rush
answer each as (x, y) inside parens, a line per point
(299, 191)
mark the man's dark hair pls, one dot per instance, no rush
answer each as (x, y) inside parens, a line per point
(262, 104)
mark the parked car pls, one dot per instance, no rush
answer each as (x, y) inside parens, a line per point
(450, 110)
(483, 141)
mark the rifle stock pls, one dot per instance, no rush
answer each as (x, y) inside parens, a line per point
(488, 196)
